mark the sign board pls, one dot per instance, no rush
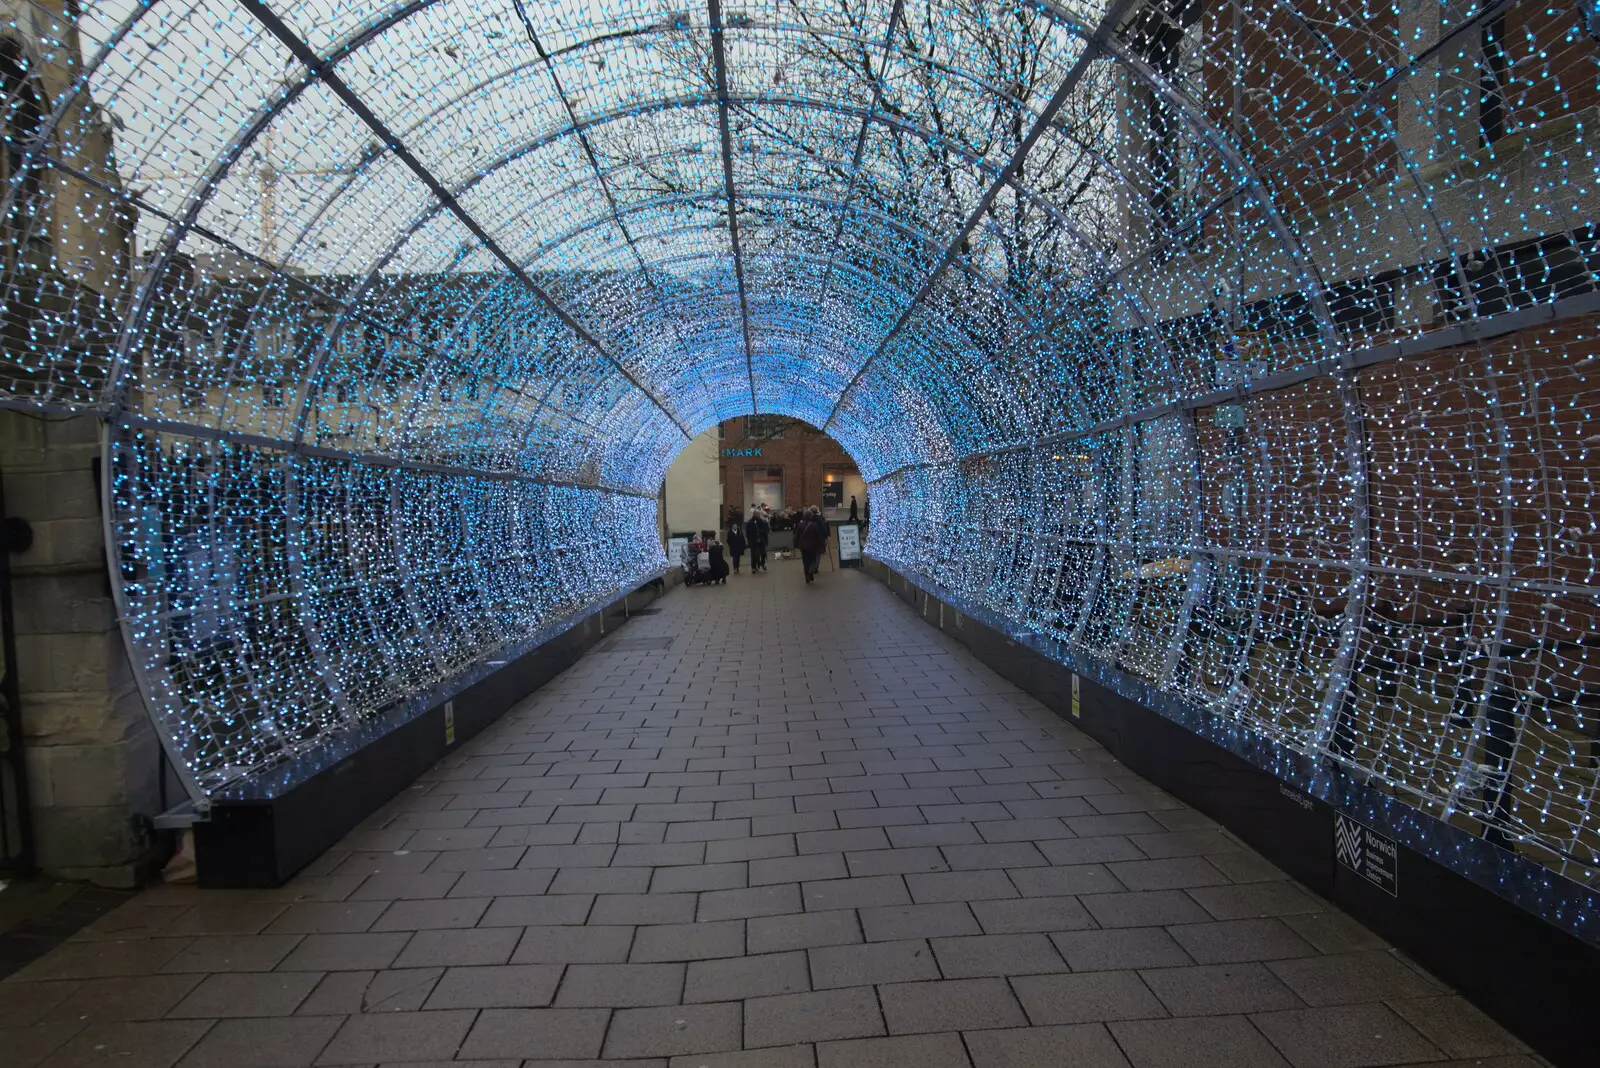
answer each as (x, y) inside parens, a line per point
(832, 494)
(449, 723)
(741, 452)
(849, 545)
(1077, 698)
(1373, 856)
(675, 546)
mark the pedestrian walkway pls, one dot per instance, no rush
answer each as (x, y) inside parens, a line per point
(789, 820)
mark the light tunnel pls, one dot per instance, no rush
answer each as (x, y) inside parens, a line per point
(1243, 349)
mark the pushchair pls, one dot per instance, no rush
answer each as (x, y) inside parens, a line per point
(696, 565)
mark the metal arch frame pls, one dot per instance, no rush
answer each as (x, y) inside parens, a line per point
(720, 64)
(403, 11)
(321, 70)
(336, 85)
(1046, 116)
(599, 173)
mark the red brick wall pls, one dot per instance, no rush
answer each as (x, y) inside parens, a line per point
(803, 452)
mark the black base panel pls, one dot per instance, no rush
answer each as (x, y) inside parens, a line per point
(261, 843)
(1535, 979)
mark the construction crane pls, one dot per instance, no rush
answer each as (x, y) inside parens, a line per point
(268, 174)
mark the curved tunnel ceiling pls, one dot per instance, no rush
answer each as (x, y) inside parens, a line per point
(1238, 347)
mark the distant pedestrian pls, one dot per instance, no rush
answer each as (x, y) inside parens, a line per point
(755, 532)
(811, 538)
(736, 542)
(719, 566)
(854, 515)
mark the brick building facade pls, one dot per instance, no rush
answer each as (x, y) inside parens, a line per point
(759, 452)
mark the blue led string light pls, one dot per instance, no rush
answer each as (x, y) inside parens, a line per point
(1261, 373)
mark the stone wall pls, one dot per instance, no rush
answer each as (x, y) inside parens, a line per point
(93, 760)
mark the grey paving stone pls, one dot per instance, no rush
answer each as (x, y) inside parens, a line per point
(661, 854)
(537, 911)
(1457, 1027)
(872, 891)
(1080, 1046)
(951, 1004)
(918, 921)
(1031, 830)
(667, 1032)
(611, 880)
(396, 886)
(771, 934)
(896, 861)
(435, 914)
(1032, 914)
(923, 1051)
(1143, 908)
(144, 997)
(800, 1056)
(1351, 977)
(812, 1017)
(620, 985)
(973, 956)
(773, 900)
(1345, 1036)
(706, 830)
(573, 945)
(960, 886)
(794, 869)
(1093, 850)
(322, 917)
(1079, 879)
(760, 848)
(1170, 873)
(934, 834)
(1226, 941)
(699, 877)
(398, 1036)
(391, 990)
(509, 986)
(1196, 1042)
(993, 856)
(1086, 997)
(230, 994)
(624, 909)
(872, 963)
(483, 945)
(688, 941)
(1219, 989)
(263, 1043)
(344, 952)
(552, 1034)
(1254, 900)
(736, 978)
(220, 953)
(854, 840)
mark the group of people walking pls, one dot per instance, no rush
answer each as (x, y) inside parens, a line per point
(704, 561)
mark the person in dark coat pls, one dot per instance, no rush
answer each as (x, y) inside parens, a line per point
(719, 566)
(756, 533)
(811, 538)
(854, 514)
(736, 542)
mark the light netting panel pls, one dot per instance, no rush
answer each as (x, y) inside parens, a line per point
(273, 598)
(1243, 346)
